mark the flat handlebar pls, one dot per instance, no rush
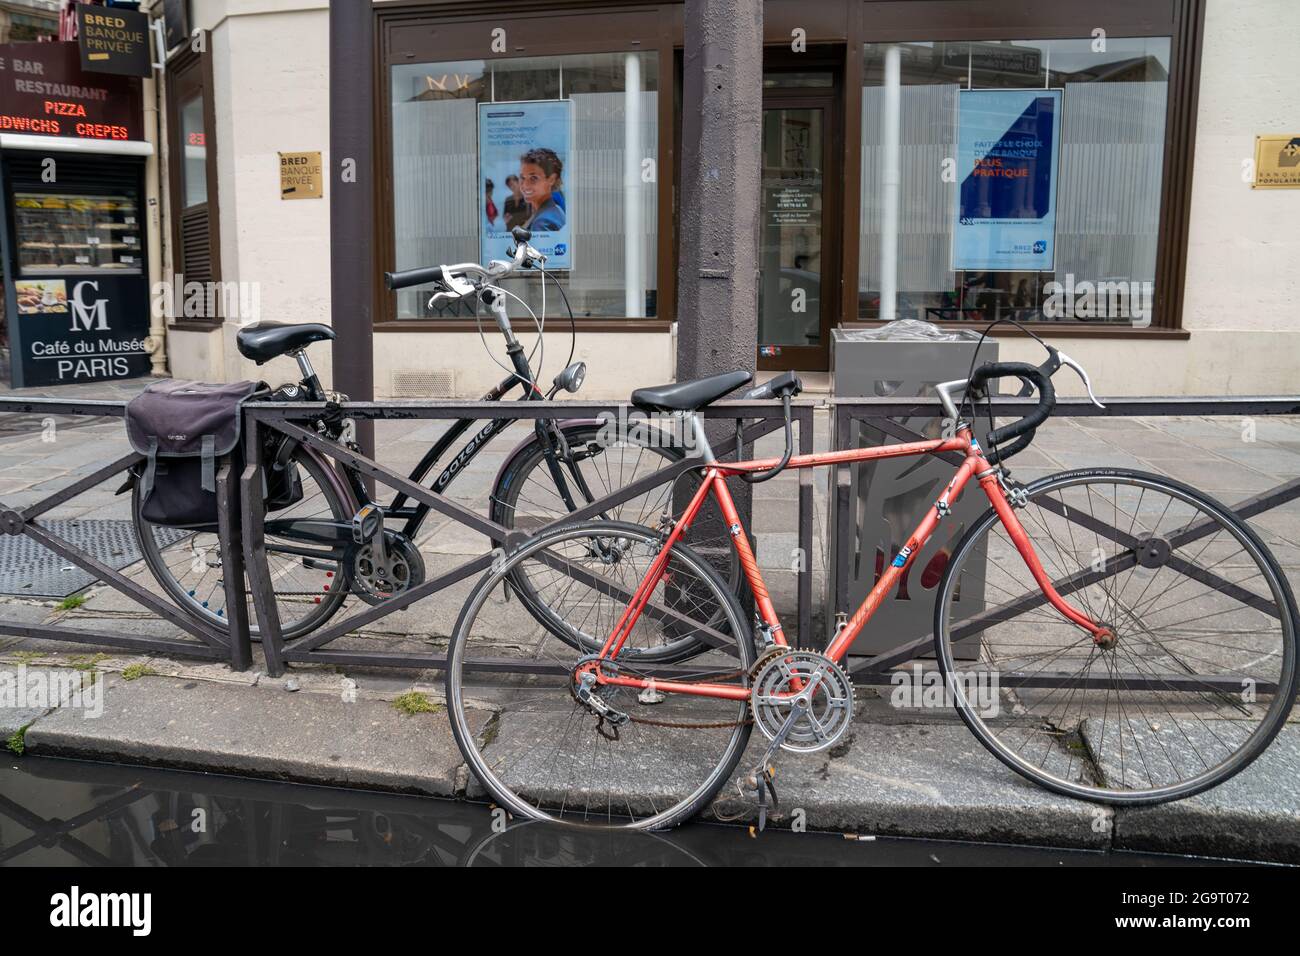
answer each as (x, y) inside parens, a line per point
(522, 256)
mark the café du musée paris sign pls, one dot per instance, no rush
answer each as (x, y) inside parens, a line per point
(75, 261)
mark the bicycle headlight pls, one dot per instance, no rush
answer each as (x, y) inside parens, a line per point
(572, 377)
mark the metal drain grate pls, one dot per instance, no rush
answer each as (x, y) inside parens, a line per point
(29, 569)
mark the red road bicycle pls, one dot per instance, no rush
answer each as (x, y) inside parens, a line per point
(1109, 634)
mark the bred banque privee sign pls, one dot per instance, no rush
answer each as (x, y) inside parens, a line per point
(113, 40)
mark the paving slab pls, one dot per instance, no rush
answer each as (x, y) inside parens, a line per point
(261, 732)
(1256, 814)
(931, 780)
(29, 692)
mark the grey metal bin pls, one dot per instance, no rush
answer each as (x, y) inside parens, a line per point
(888, 498)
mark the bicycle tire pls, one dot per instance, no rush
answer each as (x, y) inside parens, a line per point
(1095, 748)
(489, 689)
(202, 595)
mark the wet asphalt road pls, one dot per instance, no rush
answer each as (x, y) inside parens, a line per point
(74, 813)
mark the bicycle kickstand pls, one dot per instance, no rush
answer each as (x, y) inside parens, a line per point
(760, 779)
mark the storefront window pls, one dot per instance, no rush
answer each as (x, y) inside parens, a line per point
(194, 139)
(597, 207)
(1018, 179)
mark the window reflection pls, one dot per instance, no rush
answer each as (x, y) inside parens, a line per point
(194, 138)
(1108, 180)
(436, 193)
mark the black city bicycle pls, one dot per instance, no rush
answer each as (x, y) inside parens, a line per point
(336, 540)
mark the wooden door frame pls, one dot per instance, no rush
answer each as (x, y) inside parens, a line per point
(831, 101)
(189, 72)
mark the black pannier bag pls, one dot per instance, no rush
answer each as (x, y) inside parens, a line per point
(182, 428)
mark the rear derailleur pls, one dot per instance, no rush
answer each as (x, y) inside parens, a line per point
(582, 684)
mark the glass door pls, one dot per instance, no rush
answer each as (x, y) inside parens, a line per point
(797, 261)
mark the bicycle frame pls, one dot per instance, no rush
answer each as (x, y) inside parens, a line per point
(974, 465)
(566, 479)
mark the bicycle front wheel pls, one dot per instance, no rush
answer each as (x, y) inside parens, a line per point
(628, 757)
(1200, 672)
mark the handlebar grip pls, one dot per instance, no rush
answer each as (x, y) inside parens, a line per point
(1026, 373)
(404, 280)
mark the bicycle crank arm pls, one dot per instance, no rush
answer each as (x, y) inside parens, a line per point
(760, 778)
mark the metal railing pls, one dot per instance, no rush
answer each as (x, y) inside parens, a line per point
(209, 642)
(884, 414)
(241, 515)
(289, 418)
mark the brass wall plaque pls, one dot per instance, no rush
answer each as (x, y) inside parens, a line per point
(1277, 162)
(301, 176)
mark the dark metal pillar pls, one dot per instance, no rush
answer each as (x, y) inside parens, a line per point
(722, 124)
(352, 190)
(722, 118)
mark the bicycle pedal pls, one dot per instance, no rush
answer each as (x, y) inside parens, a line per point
(366, 523)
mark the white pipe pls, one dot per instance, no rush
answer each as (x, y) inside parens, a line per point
(633, 227)
(890, 177)
(153, 224)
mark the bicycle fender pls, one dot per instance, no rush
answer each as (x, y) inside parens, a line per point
(518, 451)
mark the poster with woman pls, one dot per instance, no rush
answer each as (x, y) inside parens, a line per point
(524, 151)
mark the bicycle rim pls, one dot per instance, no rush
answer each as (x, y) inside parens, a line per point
(543, 754)
(1201, 673)
(190, 568)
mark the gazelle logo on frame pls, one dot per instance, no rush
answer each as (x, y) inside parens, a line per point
(921, 688)
(75, 909)
(54, 687)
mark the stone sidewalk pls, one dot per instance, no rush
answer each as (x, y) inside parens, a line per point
(908, 772)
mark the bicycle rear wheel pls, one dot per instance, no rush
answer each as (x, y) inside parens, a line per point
(514, 704)
(1199, 676)
(604, 459)
(306, 577)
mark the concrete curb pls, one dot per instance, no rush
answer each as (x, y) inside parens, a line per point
(922, 779)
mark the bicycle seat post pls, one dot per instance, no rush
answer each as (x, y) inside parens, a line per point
(309, 378)
(701, 439)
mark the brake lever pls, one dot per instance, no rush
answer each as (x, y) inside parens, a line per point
(457, 284)
(1087, 382)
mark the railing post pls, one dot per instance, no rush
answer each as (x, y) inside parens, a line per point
(232, 564)
(253, 515)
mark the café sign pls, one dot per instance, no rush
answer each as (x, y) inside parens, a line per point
(43, 92)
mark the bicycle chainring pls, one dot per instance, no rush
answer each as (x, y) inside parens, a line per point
(375, 584)
(785, 675)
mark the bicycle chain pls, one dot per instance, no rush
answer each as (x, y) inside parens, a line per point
(763, 659)
(714, 725)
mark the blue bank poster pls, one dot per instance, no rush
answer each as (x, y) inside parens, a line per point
(1008, 150)
(524, 151)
